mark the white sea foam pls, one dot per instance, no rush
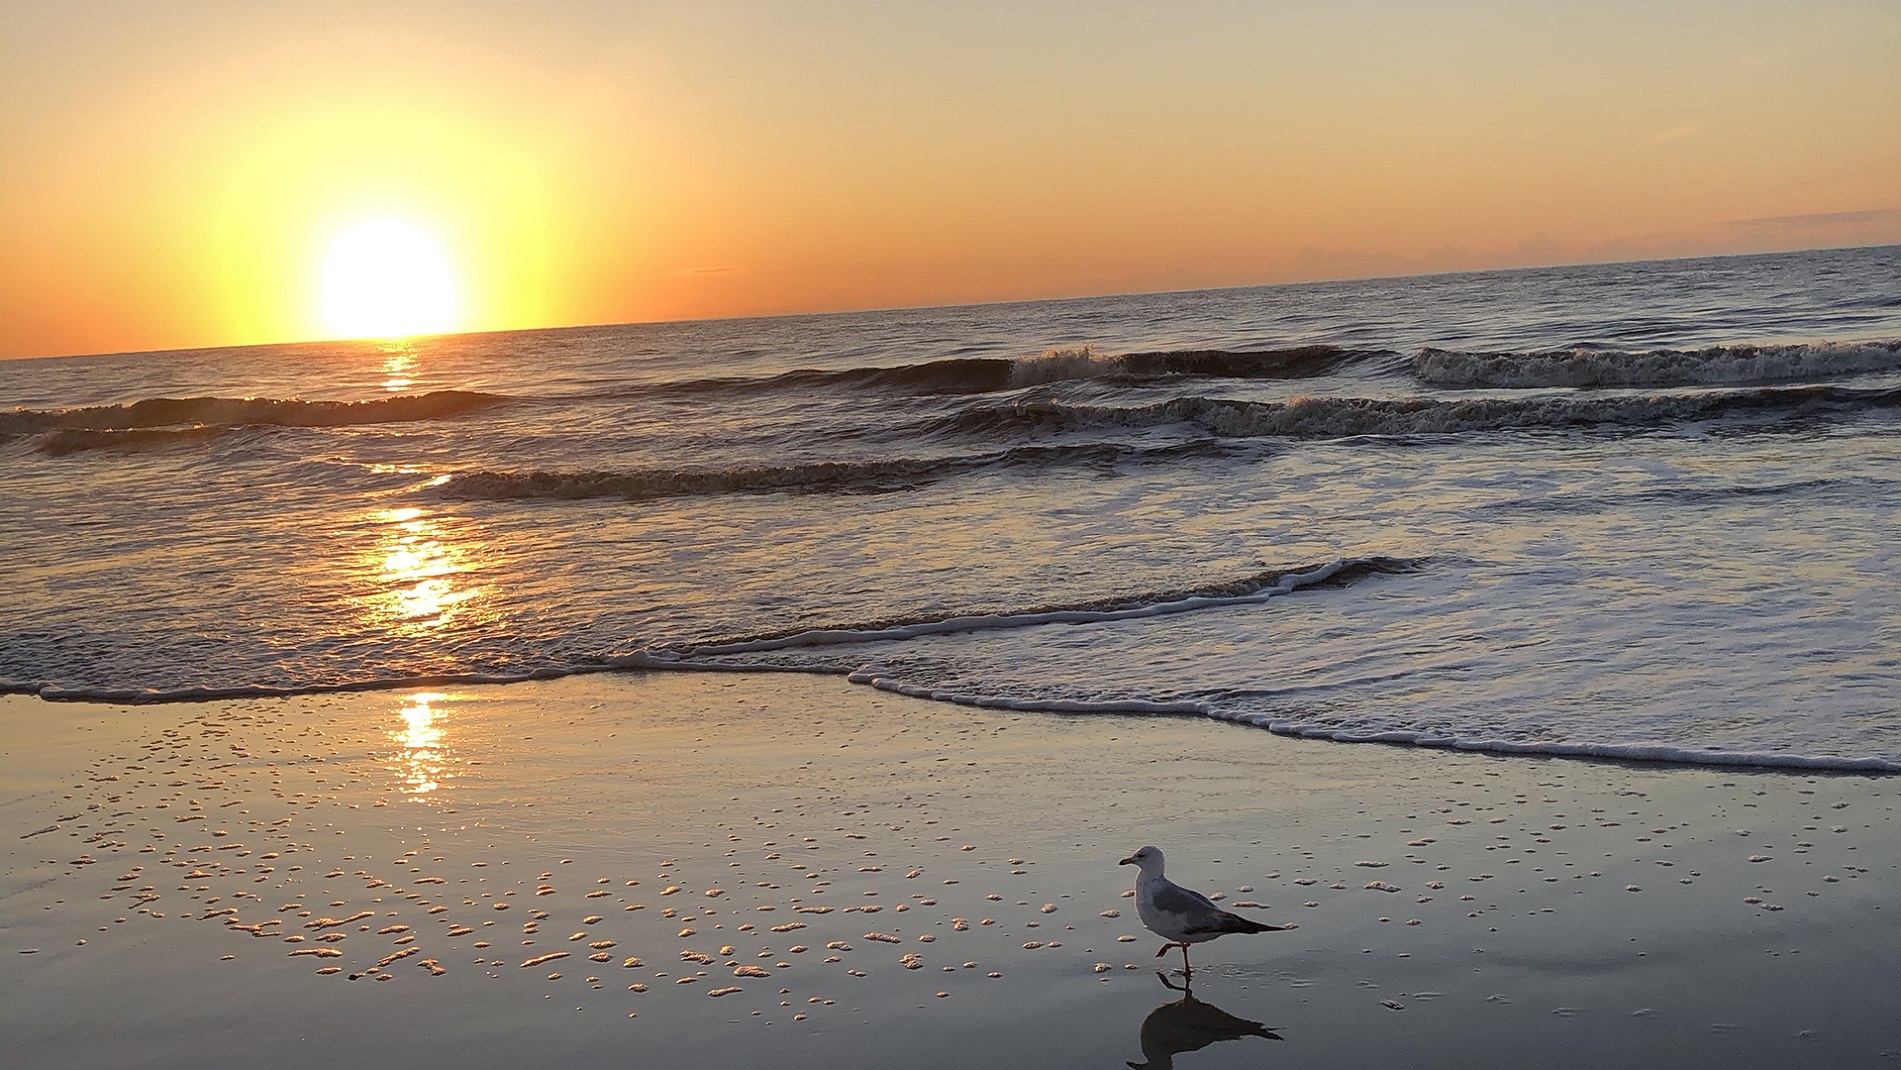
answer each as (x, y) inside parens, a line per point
(1060, 363)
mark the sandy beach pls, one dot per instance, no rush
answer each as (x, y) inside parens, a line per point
(702, 869)
(571, 534)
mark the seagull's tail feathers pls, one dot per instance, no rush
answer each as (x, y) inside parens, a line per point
(1235, 923)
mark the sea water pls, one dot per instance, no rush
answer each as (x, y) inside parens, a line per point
(1645, 510)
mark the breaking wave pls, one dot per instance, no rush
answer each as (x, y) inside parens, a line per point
(236, 412)
(1716, 366)
(1084, 362)
(1581, 367)
(986, 375)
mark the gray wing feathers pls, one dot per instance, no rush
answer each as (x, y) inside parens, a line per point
(1202, 914)
(1176, 899)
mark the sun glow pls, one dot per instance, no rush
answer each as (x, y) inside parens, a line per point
(387, 278)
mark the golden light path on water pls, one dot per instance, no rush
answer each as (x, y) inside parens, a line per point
(419, 570)
(399, 365)
(419, 564)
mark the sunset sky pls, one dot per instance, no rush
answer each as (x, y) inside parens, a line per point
(181, 174)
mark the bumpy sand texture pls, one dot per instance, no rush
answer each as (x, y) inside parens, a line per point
(789, 867)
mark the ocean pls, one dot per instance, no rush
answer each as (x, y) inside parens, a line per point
(1643, 510)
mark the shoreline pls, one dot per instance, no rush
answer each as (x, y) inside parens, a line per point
(643, 664)
(1605, 898)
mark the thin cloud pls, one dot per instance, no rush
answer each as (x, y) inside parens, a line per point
(1818, 219)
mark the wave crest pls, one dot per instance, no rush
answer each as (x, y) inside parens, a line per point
(235, 412)
(814, 477)
(987, 375)
(1345, 417)
(70, 440)
(644, 485)
(1253, 588)
(1717, 366)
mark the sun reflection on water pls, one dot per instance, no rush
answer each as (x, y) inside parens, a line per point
(423, 569)
(419, 759)
(399, 365)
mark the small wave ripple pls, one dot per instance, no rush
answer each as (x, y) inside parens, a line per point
(1253, 588)
(814, 477)
(1342, 417)
(887, 680)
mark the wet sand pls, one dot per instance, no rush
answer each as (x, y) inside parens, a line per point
(747, 869)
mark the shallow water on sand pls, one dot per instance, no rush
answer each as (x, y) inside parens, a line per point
(571, 870)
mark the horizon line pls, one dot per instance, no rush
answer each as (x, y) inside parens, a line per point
(962, 304)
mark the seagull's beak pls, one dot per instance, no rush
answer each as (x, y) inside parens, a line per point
(1126, 862)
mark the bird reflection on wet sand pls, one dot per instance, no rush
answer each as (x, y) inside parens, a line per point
(1188, 1024)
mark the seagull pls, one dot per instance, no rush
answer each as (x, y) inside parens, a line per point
(1178, 915)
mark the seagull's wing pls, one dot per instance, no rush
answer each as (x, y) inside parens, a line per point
(1174, 899)
(1199, 914)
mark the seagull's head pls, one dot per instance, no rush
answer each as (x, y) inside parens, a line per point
(1148, 860)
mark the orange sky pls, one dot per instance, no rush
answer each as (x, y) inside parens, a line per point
(172, 174)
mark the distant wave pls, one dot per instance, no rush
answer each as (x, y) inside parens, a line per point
(986, 375)
(957, 375)
(1579, 367)
(815, 477)
(1341, 417)
(69, 440)
(1850, 490)
(1252, 588)
(1084, 362)
(234, 412)
(1717, 366)
(837, 477)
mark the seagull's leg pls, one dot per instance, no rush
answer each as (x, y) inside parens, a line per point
(1186, 969)
(1163, 950)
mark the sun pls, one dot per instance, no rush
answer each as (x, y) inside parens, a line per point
(386, 278)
